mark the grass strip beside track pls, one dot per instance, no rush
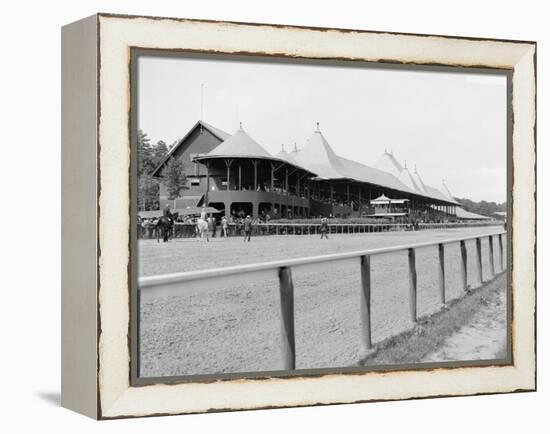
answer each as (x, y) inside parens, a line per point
(436, 331)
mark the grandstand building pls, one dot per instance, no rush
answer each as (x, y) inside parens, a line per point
(236, 175)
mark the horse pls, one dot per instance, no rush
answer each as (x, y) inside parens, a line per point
(202, 228)
(165, 225)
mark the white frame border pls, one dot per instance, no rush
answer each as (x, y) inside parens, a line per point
(116, 35)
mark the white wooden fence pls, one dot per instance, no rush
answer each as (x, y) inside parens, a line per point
(354, 228)
(187, 230)
(178, 283)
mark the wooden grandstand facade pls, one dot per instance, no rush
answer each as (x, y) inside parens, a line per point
(236, 175)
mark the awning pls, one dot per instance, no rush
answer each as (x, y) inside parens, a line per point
(196, 210)
(386, 214)
(186, 202)
(383, 200)
(149, 214)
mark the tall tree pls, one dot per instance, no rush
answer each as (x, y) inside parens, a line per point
(174, 178)
(148, 193)
(159, 152)
(145, 158)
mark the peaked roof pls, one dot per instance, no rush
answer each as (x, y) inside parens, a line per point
(318, 156)
(388, 163)
(220, 134)
(461, 213)
(283, 155)
(419, 181)
(446, 191)
(241, 145)
(364, 173)
(406, 178)
(436, 194)
(383, 199)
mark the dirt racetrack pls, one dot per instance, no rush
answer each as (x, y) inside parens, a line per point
(237, 329)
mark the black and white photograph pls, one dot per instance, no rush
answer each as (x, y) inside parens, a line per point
(310, 216)
(286, 217)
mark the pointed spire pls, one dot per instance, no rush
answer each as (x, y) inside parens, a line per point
(283, 147)
(318, 127)
(295, 147)
(240, 125)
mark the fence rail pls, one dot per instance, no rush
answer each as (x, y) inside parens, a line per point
(187, 230)
(283, 270)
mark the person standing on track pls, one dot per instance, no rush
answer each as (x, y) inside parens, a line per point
(324, 228)
(210, 223)
(224, 227)
(247, 228)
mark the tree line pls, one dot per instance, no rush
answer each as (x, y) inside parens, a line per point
(483, 207)
(149, 157)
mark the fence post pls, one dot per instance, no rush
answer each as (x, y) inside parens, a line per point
(441, 249)
(286, 290)
(501, 252)
(412, 283)
(492, 254)
(479, 264)
(365, 301)
(464, 265)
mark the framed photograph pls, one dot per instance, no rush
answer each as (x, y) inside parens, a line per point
(262, 216)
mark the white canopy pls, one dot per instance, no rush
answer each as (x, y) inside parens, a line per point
(384, 200)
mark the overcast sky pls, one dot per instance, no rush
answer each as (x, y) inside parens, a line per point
(452, 126)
